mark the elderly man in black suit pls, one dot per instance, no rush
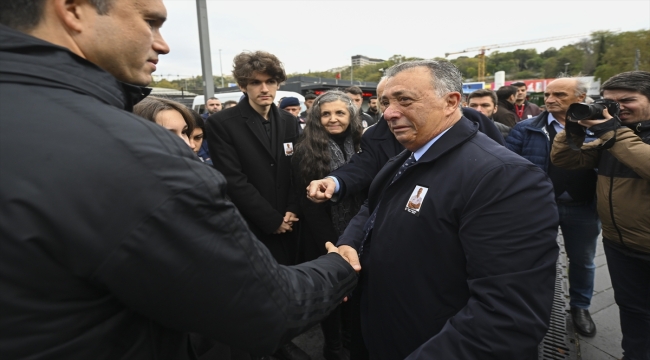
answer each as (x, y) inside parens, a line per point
(451, 280)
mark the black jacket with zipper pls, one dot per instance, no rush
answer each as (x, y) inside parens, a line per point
(116, 241)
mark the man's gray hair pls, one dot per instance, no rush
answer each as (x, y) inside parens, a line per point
(581, 88)
(581, 85)
(446, 77)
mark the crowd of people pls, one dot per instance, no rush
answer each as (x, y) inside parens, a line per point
(418, 229)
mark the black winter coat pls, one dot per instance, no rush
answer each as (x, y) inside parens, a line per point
(378, 144)
(115, 240)
(258, 171)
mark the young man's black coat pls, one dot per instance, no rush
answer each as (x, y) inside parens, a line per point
(257, 170)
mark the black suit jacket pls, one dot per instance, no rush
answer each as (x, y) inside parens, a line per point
(378, 144)
(257, 170)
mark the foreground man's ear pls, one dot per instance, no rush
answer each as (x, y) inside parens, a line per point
(72, 13)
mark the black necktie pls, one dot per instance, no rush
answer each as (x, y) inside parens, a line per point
(371, 220)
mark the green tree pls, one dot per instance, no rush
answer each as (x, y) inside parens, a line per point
(164, 83)
(620, 53)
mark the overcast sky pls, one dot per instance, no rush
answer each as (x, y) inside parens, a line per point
(320, 35)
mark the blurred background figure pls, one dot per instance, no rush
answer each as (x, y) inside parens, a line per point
(309, 101)
(229, 104)
(505, 113)
(197, 136)
(355, 93)
(292, 105)
(212, 106)
(485, 101)
(373, 110)
(524, 109)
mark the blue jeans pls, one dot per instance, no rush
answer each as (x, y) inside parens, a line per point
(631, 282)
(580, 228)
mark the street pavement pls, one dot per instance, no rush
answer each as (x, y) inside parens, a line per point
(605, 345)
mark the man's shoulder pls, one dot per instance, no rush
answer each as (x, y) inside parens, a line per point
(538, 121)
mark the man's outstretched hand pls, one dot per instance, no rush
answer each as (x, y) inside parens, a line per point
(321, 190)
(347, 252)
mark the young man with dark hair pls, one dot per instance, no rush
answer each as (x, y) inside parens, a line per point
(355, 93)
(505, 114)
(248, 144)
(523, 108)
(121, 253)
(623, 187)
(485, 101)
(373, 109)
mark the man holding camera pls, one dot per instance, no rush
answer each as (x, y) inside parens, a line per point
(574, 193)
(622, 156)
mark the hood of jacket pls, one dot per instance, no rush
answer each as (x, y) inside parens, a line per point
(28, 60)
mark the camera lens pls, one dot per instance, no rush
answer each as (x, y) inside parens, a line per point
(580, 111)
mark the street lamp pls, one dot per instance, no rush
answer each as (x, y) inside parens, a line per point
(566, 68)
(221, 68)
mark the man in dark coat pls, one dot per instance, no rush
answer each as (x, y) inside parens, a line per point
(251, 145)
(123, 252)
(447, 280)
(505, 113)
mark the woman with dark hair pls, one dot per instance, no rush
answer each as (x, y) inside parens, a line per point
(197, 138)
(169, 114)
(330, 138)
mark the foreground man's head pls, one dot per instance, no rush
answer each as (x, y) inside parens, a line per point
(120, 36)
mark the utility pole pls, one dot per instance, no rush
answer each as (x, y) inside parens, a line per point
(221, 68)
(204, 41)
(351, 67)
(637, 59)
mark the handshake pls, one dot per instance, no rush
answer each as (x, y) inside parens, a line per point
(347, 252)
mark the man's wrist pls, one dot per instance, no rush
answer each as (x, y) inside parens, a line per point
(336, 182)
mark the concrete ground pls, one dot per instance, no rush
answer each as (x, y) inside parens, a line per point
(605, 345)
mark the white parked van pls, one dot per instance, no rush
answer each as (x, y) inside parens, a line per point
(199, 102)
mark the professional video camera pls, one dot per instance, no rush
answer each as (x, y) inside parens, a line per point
(593, 111)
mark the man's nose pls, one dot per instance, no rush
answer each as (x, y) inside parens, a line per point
(160, 45)
(390, 113)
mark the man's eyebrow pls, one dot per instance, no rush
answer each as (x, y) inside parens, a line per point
(398, 93)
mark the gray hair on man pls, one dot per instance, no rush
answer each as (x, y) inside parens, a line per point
(581, 85)
(446, 77)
